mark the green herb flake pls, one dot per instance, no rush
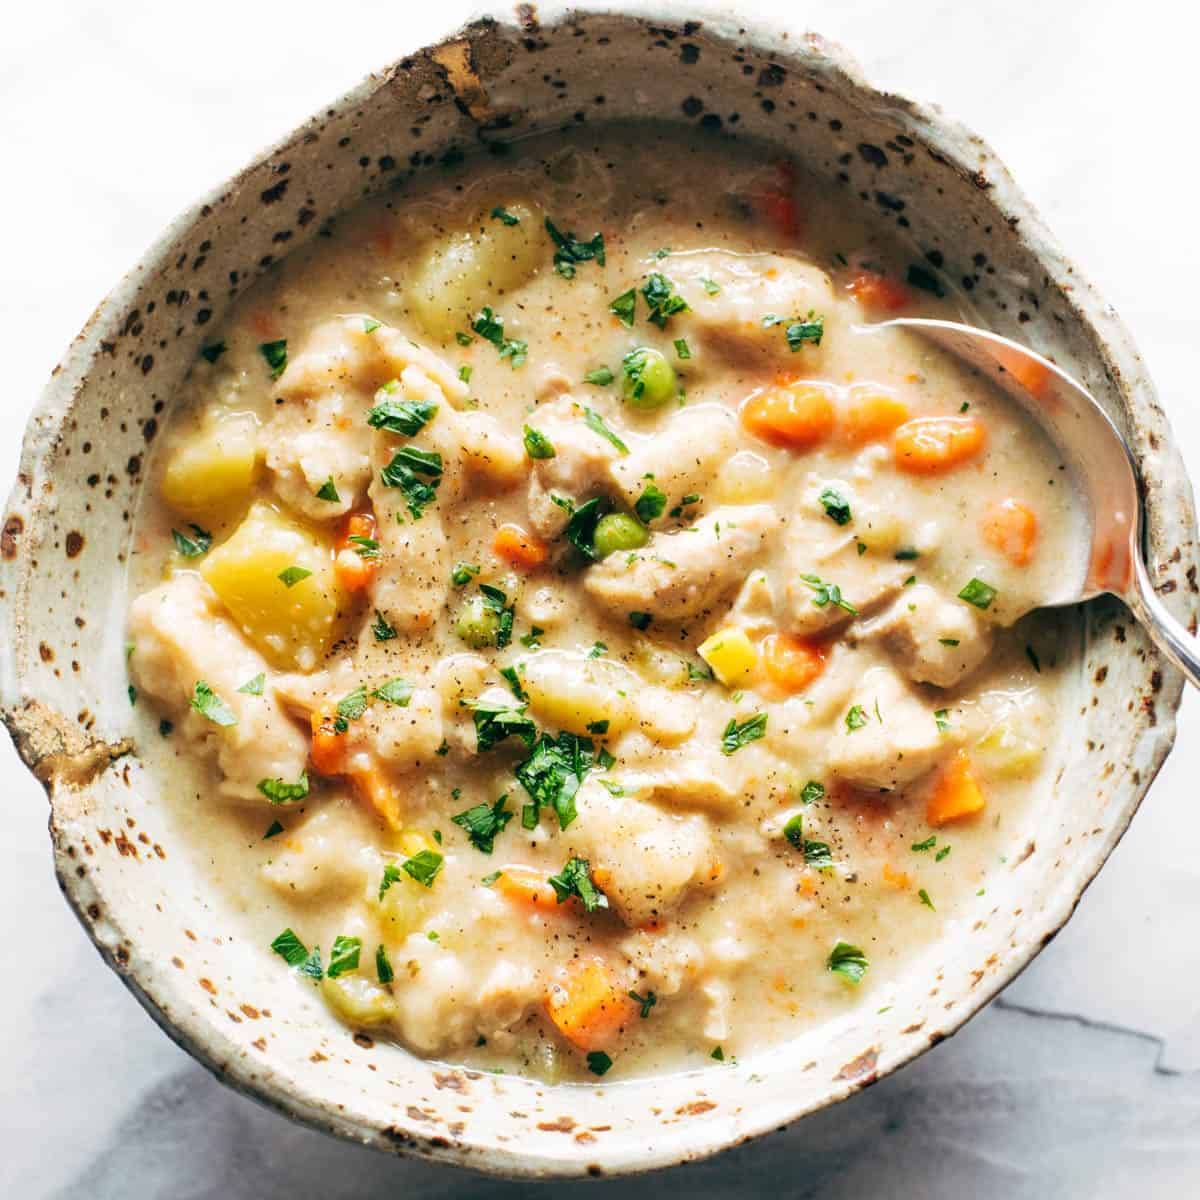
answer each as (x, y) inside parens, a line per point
(828, 593)
(532, 639)
(595, 422)
(276, 356)
(343, 955)
(682, 349)
(537, 444)
(165, 728)
(927, 844)
(290, 948)
(718, 1054)
(279, 791)
(599, 377)
(941, 718)
(811, 329)
(290, 576)
(383, 966)
(494, 723)
(836, 506)
(490, 878)
(483, 822)
(254, 687)
(569, 251)
(710, 287)
(581, 528)
(514, 682)
(381, 629)
(598, 1062)
(273, 830)
(208, 704)
(463, 339)
(623, 308)
(575, 879)
(647, 1002)
(496, 601)
(403, 471)
(501, 214)
(662, 300)
(811, 792)
(132, 694)
(195, 546)
(948, 641)
(490, 327)
(395, 691)
(405, 417)
(328, 491)
(738, 735)
(941, 854)
(640, 620)
(978, 593)
(364, 547)
(351, 707)
(554, 772)
(923, 896)
(370, 324)
(856, 718)
(847, 961)
(651, 504)
(465, 372)
(463, 572)
(423, 867)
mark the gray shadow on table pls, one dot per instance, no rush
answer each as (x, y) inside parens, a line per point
(1009, 1108)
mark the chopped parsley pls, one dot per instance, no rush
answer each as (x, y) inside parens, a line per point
(650, 504)
(465, 372)
(405, 417)
(575, 879)
(462, 573)
(483, 822)
(212, 351)
(711, 288)
(364, 547)
(208, 704)
(856, 718)
(906, 554)
(290, 948)
(598, 649)
(816, 854)
(537, 444)
(941, 854)
(810, 329)
(343, 955)
(682, 349)
(494, 600)
(132, 694)
(407, 463)
(662, 300)
(624, 306)
(738, 735)
(273, 830)
(811, 792)
(941, 718)
(494, 723)
(383, 966)
(254, 687)
(847, 961)
(698, 672)
(490, 327)
(423, 866)
(514, 682)
(836, 506)
(463, 339)
(381, 629)
(828, 593)
(351, 707)
(195, 546)
(569, 251)
(275, 354)
(923, 896)
(598, 1062)
(554, 772)
(532, 639)
(491, 878)
(927, 844)
(640, 620)
(581, 528)
(395, 691)
(647, 1002)
(501, 214)
(279, 791)
(328, 491)
(978, 593)
(948, 641)
(290, 576)
(600, 377)
(595, 422)
(370, 324)
(718, 1054)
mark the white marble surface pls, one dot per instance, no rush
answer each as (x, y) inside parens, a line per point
(1084, 1080)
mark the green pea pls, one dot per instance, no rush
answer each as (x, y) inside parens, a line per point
(619, 531)
(476, 623)
(647, 379)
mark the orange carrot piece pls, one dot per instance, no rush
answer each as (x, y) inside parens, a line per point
(379, 794)
(956, 793)
(1012, 528)
(791, 663)
(900, 880)
(588, 1005)
(931, 445)
(795, 416)
(328, 745)
(879, 293)
(354, 568)
(871, 415)
(520, 548)
(527, 885)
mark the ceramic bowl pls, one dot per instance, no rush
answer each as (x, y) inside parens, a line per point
(66, 535)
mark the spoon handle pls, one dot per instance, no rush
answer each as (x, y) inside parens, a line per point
(1167, 633)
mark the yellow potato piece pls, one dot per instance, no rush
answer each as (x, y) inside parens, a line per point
(403, 907)
(475, 267)
(209, 474)
(292, 625)
(746, 478)
(1004, 751)
(731, 655)
(359, 1000)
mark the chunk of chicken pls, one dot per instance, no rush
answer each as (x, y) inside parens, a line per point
(682, 574)
(328, 856)
(181, 637)
(682, 457)
(759, 296)
(889, 739)
(644, 859)
(930, 637)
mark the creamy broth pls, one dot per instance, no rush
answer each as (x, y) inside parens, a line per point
(608, 654)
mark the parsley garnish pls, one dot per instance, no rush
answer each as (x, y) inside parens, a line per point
(553, 773)
(490, 327)
(848, 961)
(682, 349)
(494, 600)
(395, 691)
(343, 955)
(383, 967)
(407, 463)
(462, 573)
(254, 687)
(598, 1062)
(856, 718)
(132, 694)
(640, 620)
(623, 308)
(595, 422)
(575, 879)
(370, 324)
(276, 356)
(364, 547)
(927, 844)
(273, 830)
(811, 792)
(531, 640)
(811, 329)
(923, 896)
(570, 251)
(208, 704)
(290, 948)
(494, 723)
(514, 682)
(351, 707)
(290, 576)
(328, 491)
(504, 216)
(463, 339)
(195, 546)
(711, 288)
(405, 417)
(948, 641)
(906, 554)
(828, 593)
(942, 719)
(650, 504)
(483, 822)
(736, 736)
(941, 854)
(648, 1001)
(662, 299)
(816, 854)
(601, 377)
(718, 1054)
(581, 528)
(278, 791)
(465, 372)
(381, 629)
(537, 444)
(424, 867)
(837, 507)
(978, 593)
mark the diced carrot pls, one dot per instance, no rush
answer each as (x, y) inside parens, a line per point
(588, 1005)
(328, 745)
(1012, 528)
(520, 548)
(796, 416)
(930, 445)
(871, 414)
(776, 203)
(879, 293)
(900, 880)
(527, 885)
(374, 788)
(807, 885)
(791, 663)
(355, 563)
(956, 793)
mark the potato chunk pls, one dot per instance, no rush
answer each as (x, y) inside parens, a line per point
(291, 625)
(209, 473)
(359, 1000)
(469, 268)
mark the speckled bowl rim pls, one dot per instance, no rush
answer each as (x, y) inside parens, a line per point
(963, 150)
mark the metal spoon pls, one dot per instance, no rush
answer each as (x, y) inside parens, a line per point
(1104, 470)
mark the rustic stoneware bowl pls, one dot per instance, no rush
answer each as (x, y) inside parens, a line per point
(67, 529)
